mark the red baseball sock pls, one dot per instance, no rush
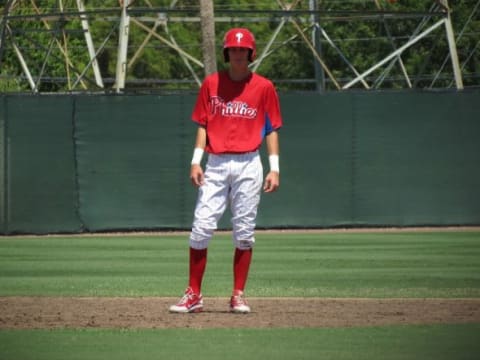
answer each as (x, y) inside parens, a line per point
(198, 263)
(241, 265)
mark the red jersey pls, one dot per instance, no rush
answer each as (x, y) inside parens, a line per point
(236, 114)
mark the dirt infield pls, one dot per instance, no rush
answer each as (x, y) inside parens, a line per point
(152, 312)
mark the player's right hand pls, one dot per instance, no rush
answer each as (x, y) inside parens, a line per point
(196, 175)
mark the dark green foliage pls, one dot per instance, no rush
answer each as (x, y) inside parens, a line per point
(290, 64)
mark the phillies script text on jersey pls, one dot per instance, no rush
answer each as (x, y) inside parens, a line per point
(231, 108)
(236, 114)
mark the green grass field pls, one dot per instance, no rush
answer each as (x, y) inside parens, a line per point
(345, 264)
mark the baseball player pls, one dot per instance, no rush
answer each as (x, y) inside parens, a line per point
(235, 110)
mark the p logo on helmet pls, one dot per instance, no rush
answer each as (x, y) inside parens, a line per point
(239, 37)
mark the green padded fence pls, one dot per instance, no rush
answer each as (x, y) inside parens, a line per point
(133, 161)
(39, 182)
(417, 159)
(98, 163)
(316, 148)
(3, 169)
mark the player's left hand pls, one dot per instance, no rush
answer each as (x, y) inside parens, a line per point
(272, 182)
(196, 175)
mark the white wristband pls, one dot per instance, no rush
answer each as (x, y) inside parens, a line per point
(274, 163)
(197, 156)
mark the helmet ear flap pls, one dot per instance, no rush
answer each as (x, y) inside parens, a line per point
(251, 55)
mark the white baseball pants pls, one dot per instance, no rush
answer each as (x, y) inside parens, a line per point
(230, 179)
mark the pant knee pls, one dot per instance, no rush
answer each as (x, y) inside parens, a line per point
(200, 237)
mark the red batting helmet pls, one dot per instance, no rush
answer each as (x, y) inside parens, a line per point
(239, 37)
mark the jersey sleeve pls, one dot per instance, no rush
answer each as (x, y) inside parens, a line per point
(201, 108)
(272, 109)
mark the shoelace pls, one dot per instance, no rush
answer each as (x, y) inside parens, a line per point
(239, 300)
(185, 298)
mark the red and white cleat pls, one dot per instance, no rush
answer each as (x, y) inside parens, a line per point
(238, 304)
(189, 303)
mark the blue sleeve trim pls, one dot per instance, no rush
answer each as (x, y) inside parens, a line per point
(267, 129)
